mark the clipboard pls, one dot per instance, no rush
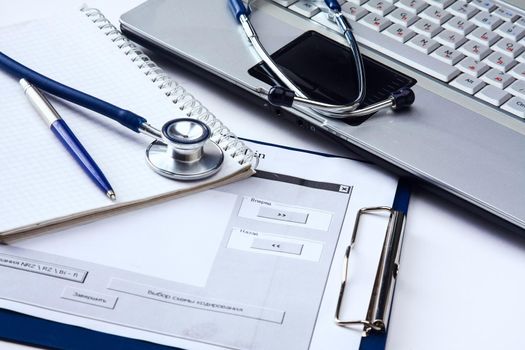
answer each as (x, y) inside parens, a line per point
(35, 331)
(376, 320)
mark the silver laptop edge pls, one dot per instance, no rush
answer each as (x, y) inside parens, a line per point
(442, 139)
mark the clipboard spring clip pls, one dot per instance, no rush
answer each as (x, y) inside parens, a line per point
(381, 298)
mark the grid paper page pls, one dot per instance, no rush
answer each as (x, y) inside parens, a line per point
(40, 183)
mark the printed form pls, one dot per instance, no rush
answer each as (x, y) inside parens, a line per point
(251, 265)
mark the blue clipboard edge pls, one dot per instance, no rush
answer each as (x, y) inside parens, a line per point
(34, 331)
(30, 330)
(377, 340)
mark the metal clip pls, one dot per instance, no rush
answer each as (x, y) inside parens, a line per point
(382, 293)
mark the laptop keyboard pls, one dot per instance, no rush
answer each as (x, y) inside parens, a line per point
(476, 46)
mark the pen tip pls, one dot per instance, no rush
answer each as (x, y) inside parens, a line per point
(111, 195)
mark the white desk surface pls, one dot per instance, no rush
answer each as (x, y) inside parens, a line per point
(461, 282)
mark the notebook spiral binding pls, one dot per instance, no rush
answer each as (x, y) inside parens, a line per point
(221, 134)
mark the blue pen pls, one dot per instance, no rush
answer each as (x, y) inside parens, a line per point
(59, 127)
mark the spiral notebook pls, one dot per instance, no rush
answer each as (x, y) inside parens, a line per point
(41, 187)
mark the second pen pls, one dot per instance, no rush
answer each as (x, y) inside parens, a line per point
(59, 127)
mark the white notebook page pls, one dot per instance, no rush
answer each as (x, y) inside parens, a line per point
(40, 183)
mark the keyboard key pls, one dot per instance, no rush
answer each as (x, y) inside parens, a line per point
(483, 36)
(416, 59)
(379, 7)
(357, 2)
(423, 44)
(499, 61)
(284, 3)
(517, 88)
(511, 31)
(448, 61)
(520, 22)
(515, 106)
(459, 25)
(508, 47)
(399, 33)
(484, 5)
(475, 50)
(468, 84)
(518, 71)
(497, 78)
(403, 17)
(426, 28)
(435, 15)
(305, 8)
(486, 20)
(353, 12)
(375, 22)
(412, 6)
(472, 67)
(450, 39)
(462, 10)
(506, 14)
(493, 95)
(447, 55)
(441, 4)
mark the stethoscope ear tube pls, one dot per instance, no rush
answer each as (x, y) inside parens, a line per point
(128, 119)
(333, 5)
(238, 9)
(290, 95)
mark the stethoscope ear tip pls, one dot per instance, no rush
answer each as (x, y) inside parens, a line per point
(403, 98)
(280, 96)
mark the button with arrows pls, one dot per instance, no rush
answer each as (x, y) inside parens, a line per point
(281, 214)
(277, 246)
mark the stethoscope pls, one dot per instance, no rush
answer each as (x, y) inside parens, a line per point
(182, 149)
(290, 95)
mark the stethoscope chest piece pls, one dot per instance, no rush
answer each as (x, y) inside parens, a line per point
(185, 152)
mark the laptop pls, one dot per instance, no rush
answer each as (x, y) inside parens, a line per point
(463, 137)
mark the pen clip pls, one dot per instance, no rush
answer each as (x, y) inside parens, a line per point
(382, 293)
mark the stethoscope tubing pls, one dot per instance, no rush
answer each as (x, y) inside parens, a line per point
(174, 157)
(294, 97)
(127, 118)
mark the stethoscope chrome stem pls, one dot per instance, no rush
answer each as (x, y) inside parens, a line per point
(148, 129)
(250, 32)
(292, 96)
(320, 107)
(329, 110)
(389, 102)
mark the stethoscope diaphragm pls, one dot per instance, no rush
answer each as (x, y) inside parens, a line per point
(185, 152)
